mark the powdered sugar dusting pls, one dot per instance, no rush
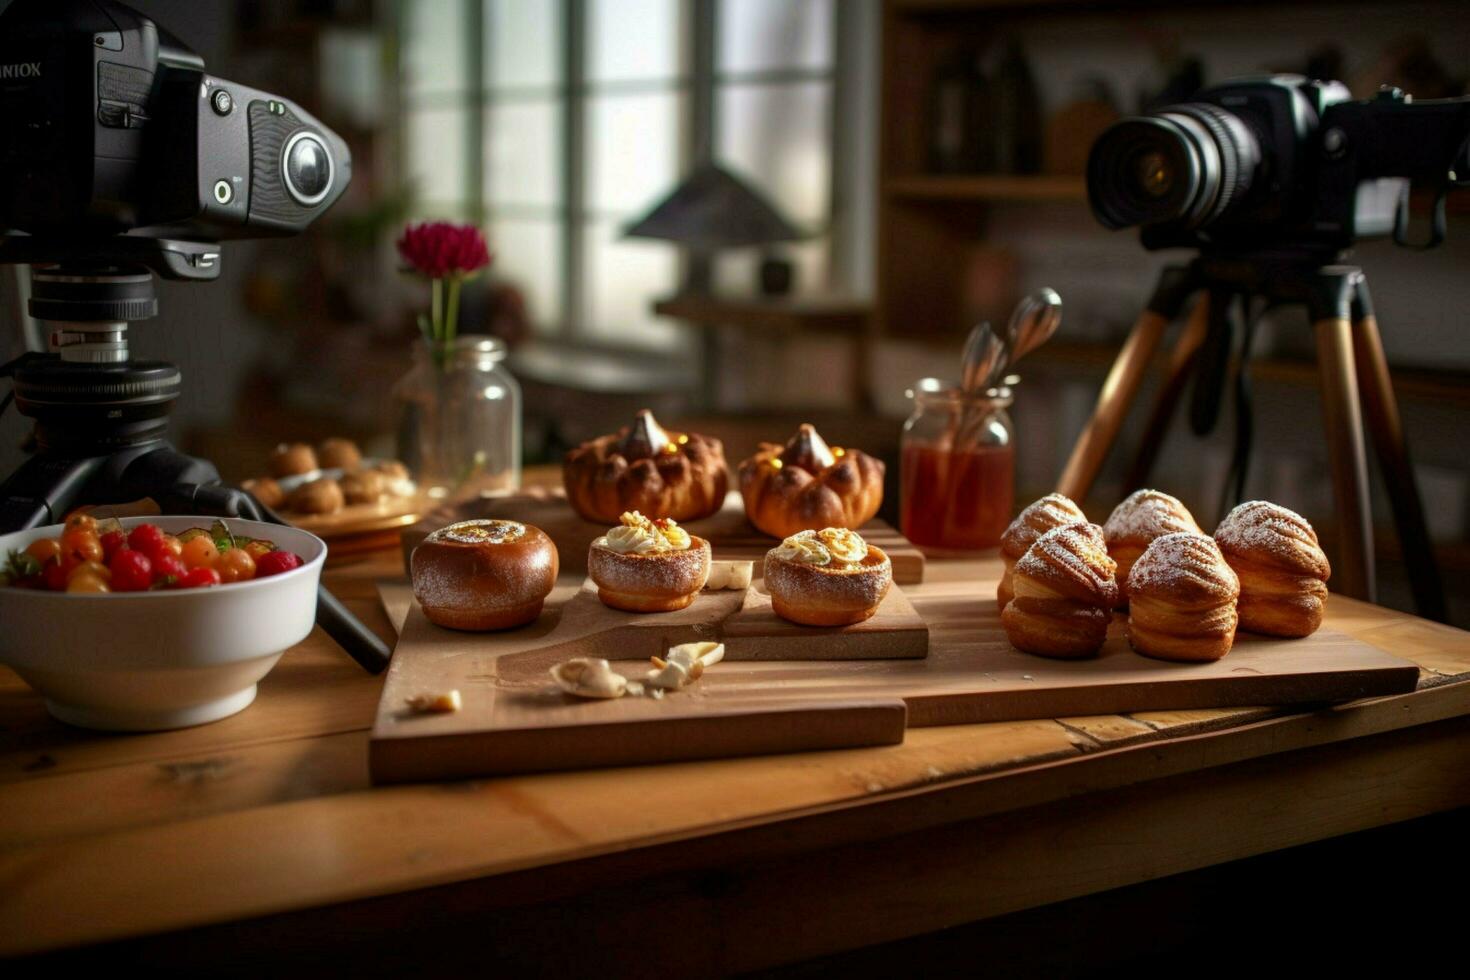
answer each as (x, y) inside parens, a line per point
(1261, 531)
(654, 573)
(1050, 511)
(1187, 567)
(1078, 553)
(1148, 514)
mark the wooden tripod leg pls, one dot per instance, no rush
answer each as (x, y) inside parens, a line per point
(1353, 572)
(1181, 360)
(1118, 392)
(1382, 413)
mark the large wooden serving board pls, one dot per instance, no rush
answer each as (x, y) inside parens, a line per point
(514, 720)
(728, 532)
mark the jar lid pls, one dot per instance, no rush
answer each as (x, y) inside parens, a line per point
(940, 391)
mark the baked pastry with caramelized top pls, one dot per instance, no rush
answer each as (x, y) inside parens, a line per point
(1282, 569)
(1182, 599)
(484, 574)
(1133, 524)
(806, 485)
(643, 468)
(645, 565)
(1050, 511)
(830, 577)
(1065, 591)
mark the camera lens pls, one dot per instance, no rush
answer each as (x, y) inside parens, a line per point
(1186, 163)
(307, 168)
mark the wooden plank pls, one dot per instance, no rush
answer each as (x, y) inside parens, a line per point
(730, 535)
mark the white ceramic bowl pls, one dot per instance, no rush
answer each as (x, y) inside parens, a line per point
(144, 661)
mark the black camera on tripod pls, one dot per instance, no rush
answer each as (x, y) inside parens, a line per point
(112, 125)
(122, 157)
(1279, 163)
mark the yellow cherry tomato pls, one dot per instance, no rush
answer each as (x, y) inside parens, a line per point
(94, 568)
(174, 544)
(235, 565)
(81, 545)
(81, 522)
(258, 547)
(45, 550)
(199, 552)
(87, 583)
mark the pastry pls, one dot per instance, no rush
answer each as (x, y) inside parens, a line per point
(1145, 515)
(484, 574)
(363, 486)
(339, 453)
(293, 460)
(1050, 511)
(1182, 599)
(645, 565)
(1283, 572)
(830, 577)
(643, 468)
(806, 485)
(320, 496)
(1065, 590)
(265, 490)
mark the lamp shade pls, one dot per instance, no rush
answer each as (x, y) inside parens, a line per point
(713, 209)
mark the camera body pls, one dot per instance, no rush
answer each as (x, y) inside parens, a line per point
(1279, 163)
(113, 127)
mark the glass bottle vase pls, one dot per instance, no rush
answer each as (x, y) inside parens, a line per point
(459, 420)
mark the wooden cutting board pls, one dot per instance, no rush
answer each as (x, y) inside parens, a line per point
(744, 619)
(728, 532)
(514, 720)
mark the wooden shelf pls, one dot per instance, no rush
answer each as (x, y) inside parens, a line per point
(999, 188)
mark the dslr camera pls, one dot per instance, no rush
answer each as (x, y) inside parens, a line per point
(1278, 164)
(114, 128)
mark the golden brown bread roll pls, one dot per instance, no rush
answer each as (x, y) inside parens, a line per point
(1133, 524)
(1050, 511)
(1282, 569)
(339, 453)
(363, 486)
(807, 485)
(1182, 599)
(293, 459)
(266, 490)
(645, 565)
(679, 475)
(1065, 591)
(484, 574)
(830, 577)
(320, 496)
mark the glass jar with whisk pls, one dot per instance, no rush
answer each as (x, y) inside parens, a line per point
(957, 468)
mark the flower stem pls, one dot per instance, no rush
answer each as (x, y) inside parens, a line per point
(436, 307)
(451, 317)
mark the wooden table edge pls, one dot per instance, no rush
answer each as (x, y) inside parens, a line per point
(913, 808)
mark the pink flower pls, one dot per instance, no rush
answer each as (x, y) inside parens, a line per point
(438, 249)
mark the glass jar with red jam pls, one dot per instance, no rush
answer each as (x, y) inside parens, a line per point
(958, 468)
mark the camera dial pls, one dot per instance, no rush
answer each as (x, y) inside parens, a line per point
(306, 166)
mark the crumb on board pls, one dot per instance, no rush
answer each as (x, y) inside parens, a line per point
(442, 703)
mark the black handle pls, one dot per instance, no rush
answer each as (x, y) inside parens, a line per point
(361, 643)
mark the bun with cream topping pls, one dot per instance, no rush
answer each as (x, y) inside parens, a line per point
(830, 577)
(645, 565)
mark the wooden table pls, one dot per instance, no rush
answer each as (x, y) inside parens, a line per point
(260, 834)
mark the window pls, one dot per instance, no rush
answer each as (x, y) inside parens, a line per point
(557, 122)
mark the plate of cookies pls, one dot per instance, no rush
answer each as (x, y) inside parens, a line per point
(333, 490)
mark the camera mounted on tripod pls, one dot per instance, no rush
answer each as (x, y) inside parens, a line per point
(124, 159)
(1279, 165)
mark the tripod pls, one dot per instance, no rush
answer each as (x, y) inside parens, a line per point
(1353, 378)
(100, 417)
